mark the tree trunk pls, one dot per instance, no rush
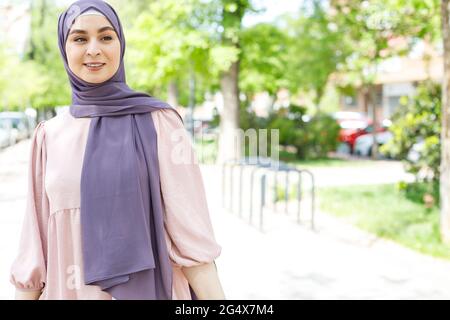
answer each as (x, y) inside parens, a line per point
(318, 98)
(191, 101)
(373, 101)
(229, 138)
(445, 134)
(229, 143)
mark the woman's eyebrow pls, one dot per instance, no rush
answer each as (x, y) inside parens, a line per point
(102, 29)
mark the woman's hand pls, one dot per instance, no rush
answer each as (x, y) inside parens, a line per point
(27, 294)
(204, 280)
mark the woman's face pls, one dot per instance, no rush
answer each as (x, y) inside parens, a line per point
(93, 49)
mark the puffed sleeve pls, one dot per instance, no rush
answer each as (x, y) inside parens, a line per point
(189, 231)
(28, 271)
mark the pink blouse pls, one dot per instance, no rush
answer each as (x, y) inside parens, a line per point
(50, 256)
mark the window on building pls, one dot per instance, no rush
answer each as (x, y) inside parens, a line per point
(393, 103)
(350, 102)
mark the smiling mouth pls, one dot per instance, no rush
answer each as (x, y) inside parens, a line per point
(94, 66)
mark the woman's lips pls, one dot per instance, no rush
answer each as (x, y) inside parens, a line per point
(94, 66)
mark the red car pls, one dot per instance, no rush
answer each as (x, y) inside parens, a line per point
(353, 125)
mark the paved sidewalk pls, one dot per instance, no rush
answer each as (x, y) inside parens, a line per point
(380, 172)
(337, 261)
(13, 190)
(287, 261)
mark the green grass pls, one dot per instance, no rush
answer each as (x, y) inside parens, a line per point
(323, 162)
(386, 212)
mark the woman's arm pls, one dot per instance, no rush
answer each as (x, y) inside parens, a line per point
(191, 241)
(204, 280)
(28, 271)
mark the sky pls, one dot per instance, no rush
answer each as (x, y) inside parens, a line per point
(274, 8)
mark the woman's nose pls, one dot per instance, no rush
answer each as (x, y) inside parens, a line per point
(93, 49)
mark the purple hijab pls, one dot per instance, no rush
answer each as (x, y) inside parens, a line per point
(123, 243)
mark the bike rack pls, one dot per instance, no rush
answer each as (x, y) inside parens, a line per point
(266, 166)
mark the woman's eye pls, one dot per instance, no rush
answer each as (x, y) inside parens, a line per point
(105, 38)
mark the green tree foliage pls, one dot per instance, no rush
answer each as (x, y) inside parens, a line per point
(315, 50)
(43, 51)
(20, 81)
(371, 29)
(170, 39)
(264, 61)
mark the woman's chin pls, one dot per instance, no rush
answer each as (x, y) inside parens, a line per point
(94, 78)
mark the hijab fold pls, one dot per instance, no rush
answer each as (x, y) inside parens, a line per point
(122, 225)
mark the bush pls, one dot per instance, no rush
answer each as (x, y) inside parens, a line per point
(312, 139)
(419, 192)
(323, 133)
(418, 120)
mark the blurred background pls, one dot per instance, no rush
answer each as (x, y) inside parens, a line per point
(352, 92)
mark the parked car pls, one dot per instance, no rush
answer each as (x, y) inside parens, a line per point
(21, 127)
(364, 143)
(353, 125)
(5, 133)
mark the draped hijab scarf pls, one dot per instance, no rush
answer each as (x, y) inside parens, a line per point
(122, 227)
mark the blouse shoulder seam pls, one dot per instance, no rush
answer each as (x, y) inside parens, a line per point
(41, 131)
(41, 126)
(172, 113)
(168, 116)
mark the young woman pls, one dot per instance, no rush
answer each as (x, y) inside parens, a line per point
(116, 205)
